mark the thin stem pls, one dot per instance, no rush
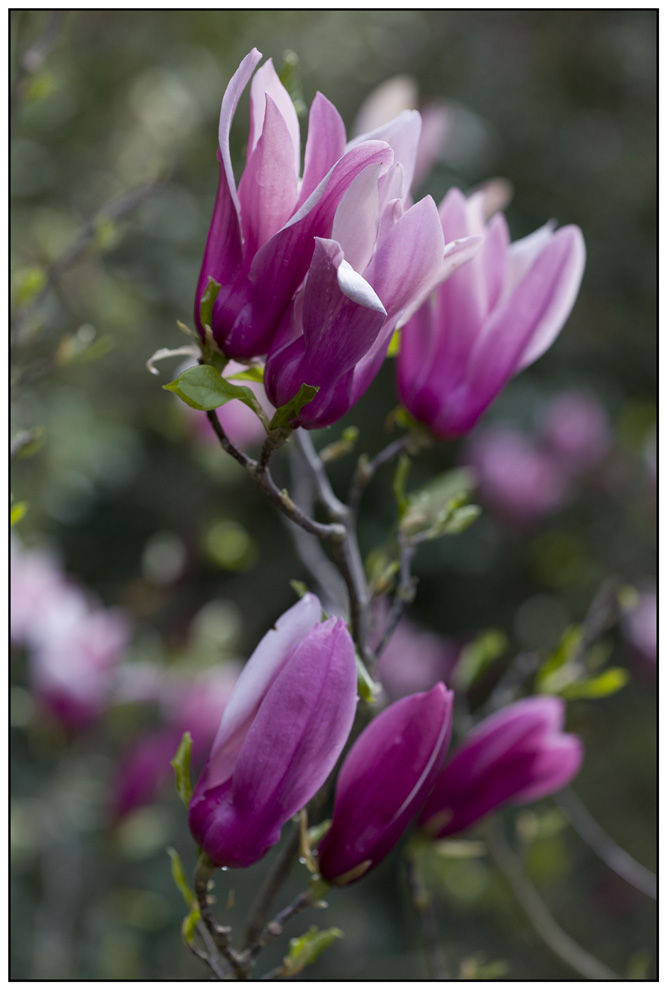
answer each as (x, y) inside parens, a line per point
(337, 511)
(367, 469)
(348, 557)
(219, 935)
(275, 928)
(604, 846)
(404, 595)
(260, 474)
(273, 881)
(538, 914)
(422, 902)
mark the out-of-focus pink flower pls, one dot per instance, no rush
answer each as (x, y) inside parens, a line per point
(519, 481)
(379, 264)
(414, 660)
(640, 626)
(495, 316)
(261, 238)
(575, 430)
(187, 704)
(74, 645)
(280, 736)
(519, 754)
(383, 782)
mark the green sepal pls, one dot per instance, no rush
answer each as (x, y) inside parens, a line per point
(285, 415)
(203, 388)
(181, 765)
(300, 588)
(178, 873)
(394, 344)
(208, 302)
(305, 949)
(368, 689)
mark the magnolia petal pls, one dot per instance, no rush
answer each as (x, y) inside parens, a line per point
(267, 83)
(324, 146)
(355, 225)
(273, 652)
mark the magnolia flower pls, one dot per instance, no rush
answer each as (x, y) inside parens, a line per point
(383, 782)
(279, 738)
(520, 481)
(379, 264)
(575, 430)
(497, 315)
(261, 238)
(519, 754)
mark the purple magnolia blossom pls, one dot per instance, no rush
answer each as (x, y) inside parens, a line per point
(380, 262)
(383, 782)
(520, 481)
(280, 736)
(261, 238)
(519, 754)
(497, 315)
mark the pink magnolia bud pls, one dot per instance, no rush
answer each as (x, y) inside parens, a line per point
(280, 736)
(495, 316)
(519, 754)
(383, 782)
(261, 238)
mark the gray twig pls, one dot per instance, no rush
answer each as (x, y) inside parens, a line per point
(422, 902)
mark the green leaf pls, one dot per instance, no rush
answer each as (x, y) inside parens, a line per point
(181, 765)
(398, 484)
(178, 873)
(304, 950)
(394, 344)
(609, 682)
(203, 388)
(208, 301)
(254, 373)
(441, 506)
(299, 587)
(285, 415)
(29, 283)
(317, 832)
(17, 512)
(477, 656)
(190, 923)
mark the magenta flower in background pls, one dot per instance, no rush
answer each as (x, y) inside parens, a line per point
(518, 480)
(383, 782)
(379, 264)
(74, 645)
(575, 430)
(261, 238)
(519, 754)
(280, 736)
(497, 315)
(191, 705)
(415, 659)
(640, 626)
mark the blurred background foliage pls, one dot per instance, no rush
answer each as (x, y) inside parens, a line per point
(113, 180)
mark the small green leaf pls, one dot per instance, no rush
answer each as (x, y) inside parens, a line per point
(254, 373)
(441, 506)
(181, 765)
(317, 832)
(304, 950)
(477, 656)
(609, 682)
(208, 302)
(17, 512)
(178, 873)
(285, 415)
(190, 923)
(29, 284)
(398, 484)
(203, 388)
